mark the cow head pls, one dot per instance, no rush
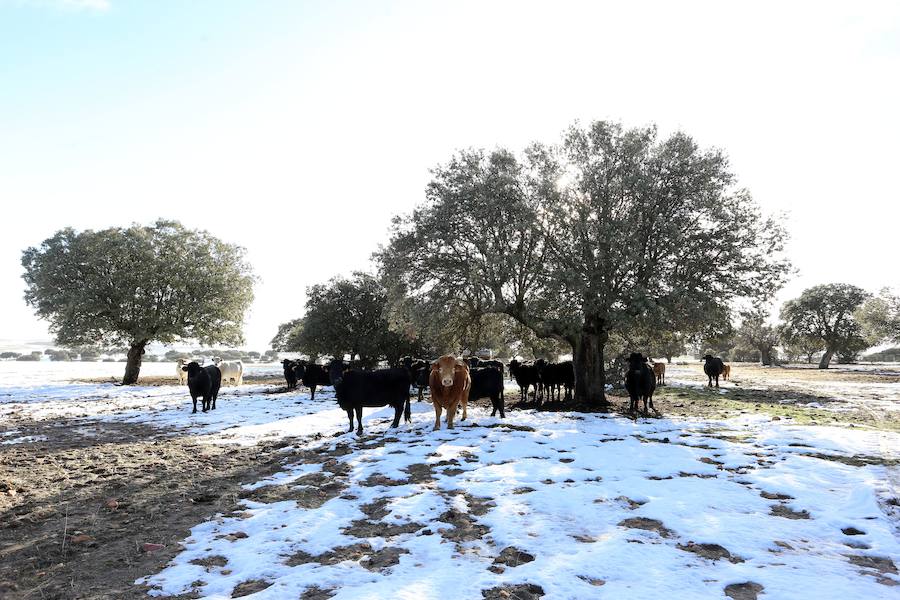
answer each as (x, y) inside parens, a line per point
(191, 368)
(635, 360)
(447, 366)
(707, 357)
(336, 370)
(288, 363)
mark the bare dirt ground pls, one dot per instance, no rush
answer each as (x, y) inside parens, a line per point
(92, 508)
(83, 516)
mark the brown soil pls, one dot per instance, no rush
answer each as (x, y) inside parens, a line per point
(83, 516)
(743, 591)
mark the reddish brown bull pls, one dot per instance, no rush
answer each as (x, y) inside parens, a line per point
(449, 383)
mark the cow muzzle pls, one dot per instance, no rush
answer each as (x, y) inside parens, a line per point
(447, 381)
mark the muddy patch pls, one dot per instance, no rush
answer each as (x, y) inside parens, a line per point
(513, 557)
(249, 587)
(647, 525)
(370, 529)
(712, 552)
(748, 590)
(523, 591)
(353, 552)
(384, 558)
(782, 510)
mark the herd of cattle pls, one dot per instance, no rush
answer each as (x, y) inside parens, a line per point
(452, 382)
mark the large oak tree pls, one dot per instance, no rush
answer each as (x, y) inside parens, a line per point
(610, 230)
(131, 286)
(826, 312)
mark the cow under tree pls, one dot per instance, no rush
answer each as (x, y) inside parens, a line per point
(355, 389)
(639, 381)
(525, 375)
(203, 382)
(449, 383)
(488, 383)
(312, 376)
(289, 375)
(713, 367)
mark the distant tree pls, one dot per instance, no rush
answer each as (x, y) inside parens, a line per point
(151, 358)
(270, 356)
(286, 336)
(346, 317)
(253, 355)
(32, 357)
(879, 318)
(9, 355)
(825, 312)
(610, 229)
(139, 284)
(756, 333)
(802, 347)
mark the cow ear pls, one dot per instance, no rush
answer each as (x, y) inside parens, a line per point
(461, 363)
(435, 365)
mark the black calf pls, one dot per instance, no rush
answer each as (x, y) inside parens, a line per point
(639, 381)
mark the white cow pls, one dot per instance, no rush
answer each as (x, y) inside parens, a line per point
(182, 376)
(232, 370)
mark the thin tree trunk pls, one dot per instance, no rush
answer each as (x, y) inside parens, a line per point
(765, 356)
(826, 358)
(133, 366)
(590, 375)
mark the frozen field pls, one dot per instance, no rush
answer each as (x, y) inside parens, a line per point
(554, 505)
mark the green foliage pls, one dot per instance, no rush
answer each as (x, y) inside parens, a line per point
(879, 318)
(346, 317)
(611, 230)
(826, 312)
(886, 355)
(33, 357)
(9, 355)
(125, 285)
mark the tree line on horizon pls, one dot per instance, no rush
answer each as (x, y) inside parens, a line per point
(609, 239)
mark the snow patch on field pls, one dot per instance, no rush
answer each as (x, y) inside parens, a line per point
(580, 500)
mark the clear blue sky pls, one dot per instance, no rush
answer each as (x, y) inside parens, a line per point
(297, 129)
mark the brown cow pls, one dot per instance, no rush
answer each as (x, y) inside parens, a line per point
(726, 372)
(449, 383)
(659, 369)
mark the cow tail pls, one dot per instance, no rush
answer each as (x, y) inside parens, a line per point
(407, 411)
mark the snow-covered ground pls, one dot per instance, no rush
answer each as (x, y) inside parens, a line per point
(581, 505)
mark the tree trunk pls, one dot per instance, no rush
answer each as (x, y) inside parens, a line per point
(669, 359)
(133, 366)
(590, 376)
(826, 358)
(765, 356)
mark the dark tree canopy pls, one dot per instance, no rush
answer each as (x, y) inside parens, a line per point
(611, 230)
(346, 317)
(130, 286)
(826, 312)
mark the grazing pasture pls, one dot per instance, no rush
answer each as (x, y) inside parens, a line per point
(111, 491)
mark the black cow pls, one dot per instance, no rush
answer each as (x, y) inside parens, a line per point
(312, 375)
(639, 381)
(355, 389)
(289, 374)
(204, 382)
(555, 377)
(525, 375)
(475, 363)
(419, 370)
(488, 383)
(713, 368)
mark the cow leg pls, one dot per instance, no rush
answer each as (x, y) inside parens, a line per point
(451, 413)
(420, 394)
(350, 416)
(312, 392)
(359, 429)
(465, 403)
(717, 381)
(437, 414)
(398, 412)
(194, 398)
